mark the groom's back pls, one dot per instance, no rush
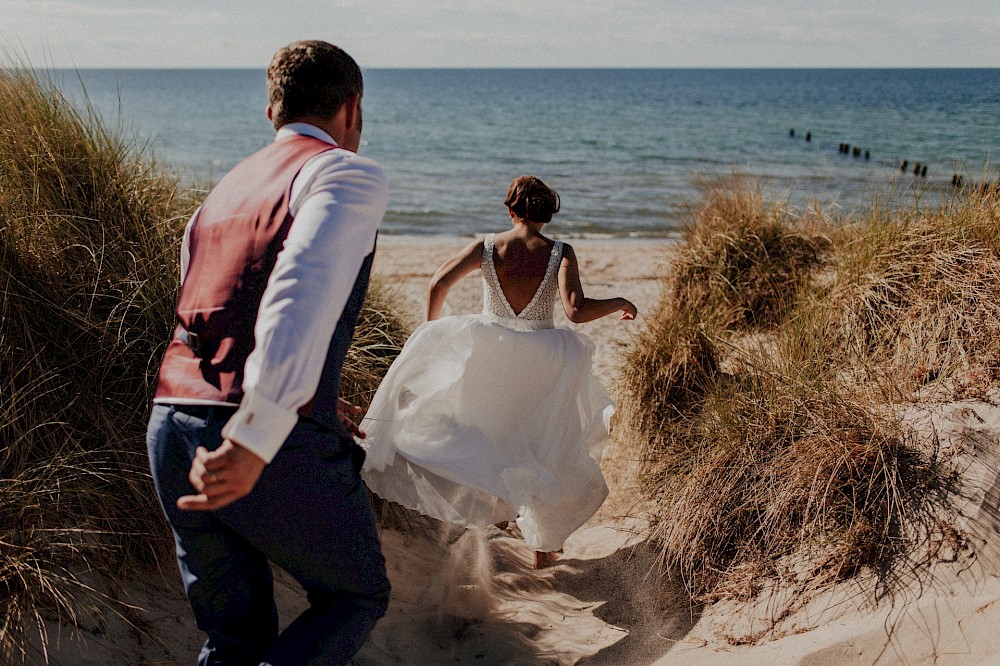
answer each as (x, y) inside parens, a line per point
(233, 244)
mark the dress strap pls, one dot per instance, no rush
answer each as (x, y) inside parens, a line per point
(557, 250)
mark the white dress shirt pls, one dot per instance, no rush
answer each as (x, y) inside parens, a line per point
(338, 200)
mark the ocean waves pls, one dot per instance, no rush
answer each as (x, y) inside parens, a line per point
(626, 149)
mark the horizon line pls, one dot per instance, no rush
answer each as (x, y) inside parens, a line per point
(546, 67)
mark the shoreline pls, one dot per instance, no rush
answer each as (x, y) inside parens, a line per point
(392, 238)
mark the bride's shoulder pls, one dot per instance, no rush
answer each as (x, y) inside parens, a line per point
(469, 256)
(568, 253)
(473, 246)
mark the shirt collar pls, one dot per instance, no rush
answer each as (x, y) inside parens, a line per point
(292, 129)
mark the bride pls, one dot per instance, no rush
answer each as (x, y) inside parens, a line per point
(489, 418)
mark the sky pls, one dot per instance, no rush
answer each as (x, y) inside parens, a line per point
(506, 33)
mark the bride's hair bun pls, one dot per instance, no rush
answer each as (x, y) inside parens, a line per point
(532, 200)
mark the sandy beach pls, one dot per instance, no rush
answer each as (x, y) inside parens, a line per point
(473, 597)
(477, 600)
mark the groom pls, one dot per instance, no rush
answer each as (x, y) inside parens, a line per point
(252, 460)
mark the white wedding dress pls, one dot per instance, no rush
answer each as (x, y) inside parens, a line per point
(493, 417)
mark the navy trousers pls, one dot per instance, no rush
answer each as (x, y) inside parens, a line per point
(309, 513)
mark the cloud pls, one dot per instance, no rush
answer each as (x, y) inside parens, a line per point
(511, 33)
(56, 13)
(84, 34)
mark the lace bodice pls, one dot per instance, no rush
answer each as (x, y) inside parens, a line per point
(538, 313)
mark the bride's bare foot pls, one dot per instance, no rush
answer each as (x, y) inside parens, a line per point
(545, 558)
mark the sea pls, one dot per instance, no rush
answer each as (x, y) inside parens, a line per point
(630, 151)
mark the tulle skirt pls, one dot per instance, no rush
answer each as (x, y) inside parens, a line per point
(477, 423)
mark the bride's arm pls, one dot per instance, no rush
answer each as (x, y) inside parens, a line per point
(579, 308)
(448, 274)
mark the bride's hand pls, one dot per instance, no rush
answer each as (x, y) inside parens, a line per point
(629, 311)
(345, 412)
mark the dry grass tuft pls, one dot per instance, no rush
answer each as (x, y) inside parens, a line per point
(918, 295)
(762, 395)
(776, 465)
(743, 257)
(381, 331)
(89, 239)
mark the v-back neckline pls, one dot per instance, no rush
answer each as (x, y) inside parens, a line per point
(538, 290)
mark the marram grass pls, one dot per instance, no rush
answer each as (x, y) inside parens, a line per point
(90, 228)
(87, 228)
(761, 395)
(918, 295)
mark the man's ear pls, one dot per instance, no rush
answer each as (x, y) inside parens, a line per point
(351, 116)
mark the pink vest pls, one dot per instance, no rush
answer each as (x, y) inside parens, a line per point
(234, 244)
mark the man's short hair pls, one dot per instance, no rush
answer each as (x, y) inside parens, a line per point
(310, 78)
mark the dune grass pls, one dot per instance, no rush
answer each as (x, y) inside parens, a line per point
(90, 227)
(917, 296)
(761, 394)
(87, 229)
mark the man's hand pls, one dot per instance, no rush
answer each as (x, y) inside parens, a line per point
(345, 411)
(221, 476)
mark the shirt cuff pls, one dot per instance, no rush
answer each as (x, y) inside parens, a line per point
(260, 425)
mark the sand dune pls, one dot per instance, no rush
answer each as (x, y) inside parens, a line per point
(472, 596)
